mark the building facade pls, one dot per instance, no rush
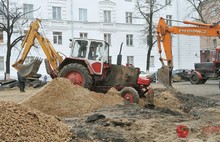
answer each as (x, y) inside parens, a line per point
(111, 20)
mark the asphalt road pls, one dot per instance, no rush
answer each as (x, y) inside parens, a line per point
(210, 89)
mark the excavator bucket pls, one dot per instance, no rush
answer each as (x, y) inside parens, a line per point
(30, 69)
(164, 75)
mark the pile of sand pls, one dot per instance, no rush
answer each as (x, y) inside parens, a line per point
(61, 98)
(20, 123)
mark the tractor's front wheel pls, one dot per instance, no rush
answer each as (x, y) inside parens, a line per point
(130, 94)
(77, 74)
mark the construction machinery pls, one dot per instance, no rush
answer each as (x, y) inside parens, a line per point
(88, 65)
(202, 71)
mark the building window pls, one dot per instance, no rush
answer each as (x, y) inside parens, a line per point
(56, 13)
(214, 43)
(130, 60)
(214, 11)
(57, 37)
(82, 14)
(168, 20)
(28, 9)
(167, 2)
(28, 59)
(151, 61)
(1, 63)
(83, 35)
(129, 40)
(107, 38)
(1, 36)
(107, 16)
(128, 17)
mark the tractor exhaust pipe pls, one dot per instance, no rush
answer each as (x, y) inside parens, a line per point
(119, 58)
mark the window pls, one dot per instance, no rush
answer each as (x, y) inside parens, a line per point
(167, 2)
(130, 60)
(56, 13)
(28, 9)
(1, 63)
(214, 11)
(28, 59)
(57, 37)
(83, 35)
(128, 17)
(169, 22)
(107, 38)
(82, 14)
(214, 43)
(1, 36)
(129, 40)
(151, 61)
(107, 16)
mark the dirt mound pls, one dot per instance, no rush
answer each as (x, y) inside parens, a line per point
(179, 102)
(20, 123)
(61, 98)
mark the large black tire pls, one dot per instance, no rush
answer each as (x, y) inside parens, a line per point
(77, 74)
(194, 78)
(130, 94)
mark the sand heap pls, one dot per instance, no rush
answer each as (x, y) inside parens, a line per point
(20, 123)
(61, 98)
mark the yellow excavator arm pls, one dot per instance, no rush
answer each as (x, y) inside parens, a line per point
(52, 56)
(164, 36)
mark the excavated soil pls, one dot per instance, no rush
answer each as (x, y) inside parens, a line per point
(61, 98)
(96, 117)
(20, 123)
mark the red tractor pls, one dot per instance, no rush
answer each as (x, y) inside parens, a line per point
(206, 70)
(89, 66)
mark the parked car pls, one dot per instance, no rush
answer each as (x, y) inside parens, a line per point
(181, 74)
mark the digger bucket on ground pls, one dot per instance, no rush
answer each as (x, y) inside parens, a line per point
(164, 75)
(30, 69)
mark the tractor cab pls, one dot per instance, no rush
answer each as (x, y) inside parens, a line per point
(94, 50)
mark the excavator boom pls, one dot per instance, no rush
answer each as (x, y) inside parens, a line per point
(32, 68)
(164, 36)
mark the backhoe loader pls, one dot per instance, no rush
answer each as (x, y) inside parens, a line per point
(88, 66)
(202, 71)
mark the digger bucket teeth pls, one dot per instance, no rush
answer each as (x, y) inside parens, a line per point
(164, 75)
(31, 68)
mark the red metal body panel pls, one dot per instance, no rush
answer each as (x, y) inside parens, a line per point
(143, 80)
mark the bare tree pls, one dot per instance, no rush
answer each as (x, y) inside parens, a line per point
(207, 10)
(10, 14)
(148, 9)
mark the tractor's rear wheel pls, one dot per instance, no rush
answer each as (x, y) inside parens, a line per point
(130, 94)
(194, 79)
(77, 74)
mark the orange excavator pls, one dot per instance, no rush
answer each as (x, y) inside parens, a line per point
(203, 71)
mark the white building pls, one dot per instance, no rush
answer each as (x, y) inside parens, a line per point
(101, 19)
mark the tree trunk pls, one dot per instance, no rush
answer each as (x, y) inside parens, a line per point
(8, 56)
